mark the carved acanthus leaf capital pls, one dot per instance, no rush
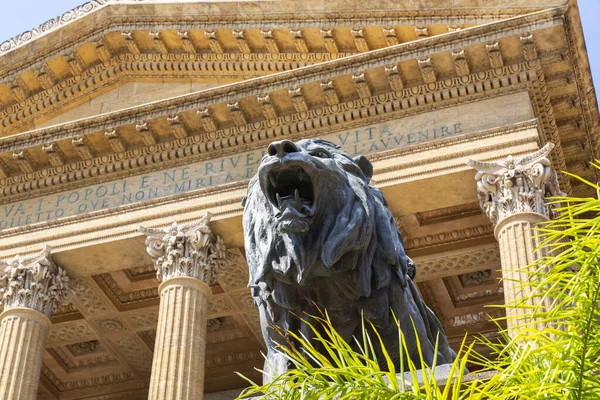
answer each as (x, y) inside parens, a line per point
(34, 282)
(190, 250)
(516, 185)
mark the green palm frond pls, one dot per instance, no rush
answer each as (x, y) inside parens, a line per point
(345, 372)
(562, 359)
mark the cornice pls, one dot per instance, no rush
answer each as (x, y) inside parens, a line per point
(585, 85)
(125, 67)
(214, 15)
(315, 122)
(322, 71)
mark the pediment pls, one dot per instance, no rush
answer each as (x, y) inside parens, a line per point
(64, 62)
(121, 96)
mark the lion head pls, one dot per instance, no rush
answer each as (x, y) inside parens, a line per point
(310, 212)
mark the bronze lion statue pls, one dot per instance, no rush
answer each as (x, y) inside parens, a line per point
(318, 235)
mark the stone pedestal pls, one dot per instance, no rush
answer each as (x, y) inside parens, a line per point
(31, 289)
(186, 259)
(512, 193)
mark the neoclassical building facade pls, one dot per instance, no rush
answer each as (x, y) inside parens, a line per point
(129, 131)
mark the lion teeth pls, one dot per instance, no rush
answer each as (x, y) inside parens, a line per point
(278, 199)
(297, 200)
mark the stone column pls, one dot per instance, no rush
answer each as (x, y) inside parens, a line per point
(186, 259)
(512, 193)
(31, 289)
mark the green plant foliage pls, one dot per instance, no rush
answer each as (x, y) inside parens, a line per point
(345, 373)
(561, 360)
(555, 353)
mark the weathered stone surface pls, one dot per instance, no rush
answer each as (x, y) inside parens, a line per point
(319, 237)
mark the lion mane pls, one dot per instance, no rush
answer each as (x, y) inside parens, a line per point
(319, 236)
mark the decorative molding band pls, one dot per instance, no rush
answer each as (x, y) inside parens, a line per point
(241, 20)
(320, 72)
(87, 383)
(457, 262)
(445, 214)
(54, 23)
(129, 66)
(321, 121)
(454, 236)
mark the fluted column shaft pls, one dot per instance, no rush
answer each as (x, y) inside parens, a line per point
(512, 193)
(178, 365)
(23, 335)
(186, 259)
(519, 247)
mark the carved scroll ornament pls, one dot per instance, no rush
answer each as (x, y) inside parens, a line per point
(516, 185)
(34, 282)
(189, 250)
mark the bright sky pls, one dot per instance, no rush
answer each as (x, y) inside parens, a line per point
(21, 15)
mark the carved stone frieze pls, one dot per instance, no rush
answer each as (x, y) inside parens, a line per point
(516, 185)
(233, 358)
(72, 363)
(447, 214)
(189, 250)
(142, 319)
(450, 263)
(475, 318)
(85, 348)
(134, 351)
(89, 298)
(453, 236)
(235, 274)
(86, 383)
(213, 325)
(70, 332)
(219, 306)
(121, 298)
(34, 282)
(477, 278)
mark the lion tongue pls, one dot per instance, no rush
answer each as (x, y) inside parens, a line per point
(290, 201)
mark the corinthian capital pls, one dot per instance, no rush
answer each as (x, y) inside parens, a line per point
(516, 185)
(34, 282)
(190, 250)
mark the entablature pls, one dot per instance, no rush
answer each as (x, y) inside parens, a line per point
(292, 103)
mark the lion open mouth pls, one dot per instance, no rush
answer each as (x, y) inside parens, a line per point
(291, 191)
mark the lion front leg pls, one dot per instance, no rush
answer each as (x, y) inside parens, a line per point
(275, 365)
(274, 322)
